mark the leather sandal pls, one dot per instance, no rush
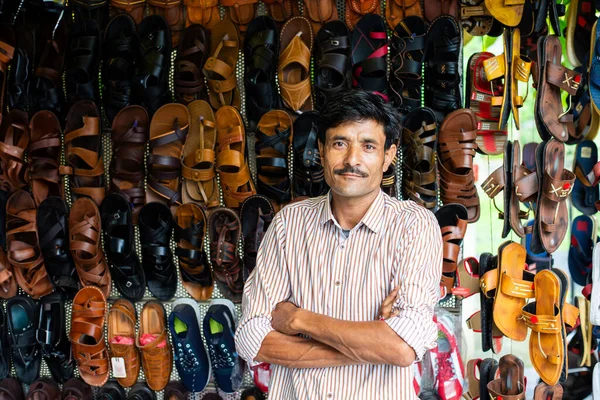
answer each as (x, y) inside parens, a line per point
(43, 388)
(452, 219)
(23, 247)
(272, 143)
(294, 65)
(96, 10)
(83, 143)
(7, 50)
(282, 10)
(433, 9)
(369, 50)
(473, 371)
(583, 239)
(318, 12)
(127, 170)
(484, 96)
(398, 10)
(198, 170)
(488, 371)
(202, 12)
(168, 131)
(14, 140)
(256, 215)
(172, 12)
(224, 234)
(511, 384)
(456, 150)
(21, 69)
(308, 178)
(153, 342)
(520, 71)
(261, 52)
(190, 229)
(119, 242)
(219, 69)
(332, 61)
(585, 192)
(44, 152)
(419, 144)
(467, 278)
(555, 184)
(483, 321)
(509, 13)
(151, 84)
(544, 392)
(581, 16)
(551, 120)
(81, 75)
(121, 335)
(134, 8)
(156, 226)
(8, 282)
(442, 78)
(476, 19)
(497, 71)
(407, 55)
(240, 12)
(232, 163)
(356, 9)
(191, 56)
(52, 226)
(85, 245)
(118, 69)
(87, 335)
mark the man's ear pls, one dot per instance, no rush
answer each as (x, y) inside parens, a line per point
(320, 147)
(389, 156)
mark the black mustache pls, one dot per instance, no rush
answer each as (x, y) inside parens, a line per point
(350, 170)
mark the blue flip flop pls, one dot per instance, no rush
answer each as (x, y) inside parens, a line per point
(585, 194)
(582, 246)
(535, 261)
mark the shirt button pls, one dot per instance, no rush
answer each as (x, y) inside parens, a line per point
(337, 283)
(343, 246)
(329, 395)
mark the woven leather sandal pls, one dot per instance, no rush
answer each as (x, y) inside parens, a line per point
(87, 335)
(153, 342)
(202, 12)
(22, 243)
(85, 244)
(168, 131)
(232, 163)
(83, 151)
(44, 156)
(127, 170)
(172, 12)
(240, 12)
(14, 139)
(198, 170)
(135, 8)
(190, 228)
(224, 233)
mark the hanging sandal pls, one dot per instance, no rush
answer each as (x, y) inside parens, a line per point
(198, 158)
(467, 279)
(14, 140)
(398, 10)
(520, 71)
(192, 53)
(319, 12)
(452, 219)
(475, 18)
(508, 12)
(256, 215)
(219, 69)
(369, 50)
(202, 12)
(168, 132)
(585, 194)
(8, 282)
(232, 163)
(545, 392)
(272, 143)
(308, 178)
(294, 65)
(356, 9)
(224, 233)
(483, 321)
(135, 8)
(581, 16)
(511, 384)
(44, 156)
(240, 12)
(172, 12)
(7, 49)
(472, 373)
(434, 8)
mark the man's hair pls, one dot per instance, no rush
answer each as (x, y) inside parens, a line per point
(359, 106)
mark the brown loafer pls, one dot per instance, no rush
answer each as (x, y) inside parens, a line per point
(43, 388)
(224, 233)
(84, 241)
(121, 339)
(22, 243)
(76, 389)
(8, 283)
(127, 170)
(87, 335)
(44, 156)
(83, 150)
(196, 274)
(153, 342)
(14, 139)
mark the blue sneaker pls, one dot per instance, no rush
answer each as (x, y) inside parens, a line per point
(219, 327)
(191, 357)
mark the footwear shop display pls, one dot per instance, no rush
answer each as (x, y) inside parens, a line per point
(21, 324)
(153, 342)
(121, 341)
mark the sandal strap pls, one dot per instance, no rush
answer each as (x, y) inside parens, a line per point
(558, 190)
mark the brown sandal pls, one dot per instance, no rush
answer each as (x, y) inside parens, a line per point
(282, 10)
(319, 12)
(44, 156)
(85, 244)
(220, 67)
(24, 252)
(135, 8)
(172, 12)
(356, 9)
(198, 169)
(87, 335)
(397, 11)
(83, 151)
(232, 163)
(511, 384)
(7, 50)
(202, 12)
(168, 131)
(14, 139)
(240, 12)
(190, 228)
(121, 324)
(224, 232)
(8, 282)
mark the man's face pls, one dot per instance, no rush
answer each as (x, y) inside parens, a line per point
(354, 158)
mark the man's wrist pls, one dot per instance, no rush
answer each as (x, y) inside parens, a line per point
(298, 323)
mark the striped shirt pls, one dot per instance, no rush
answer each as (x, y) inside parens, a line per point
(305, 259)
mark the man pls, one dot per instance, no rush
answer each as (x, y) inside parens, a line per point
(311, 306)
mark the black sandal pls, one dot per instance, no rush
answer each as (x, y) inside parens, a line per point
(256, 214)
(81, 76)
(308, 178)
(192, 53)
(369, 50)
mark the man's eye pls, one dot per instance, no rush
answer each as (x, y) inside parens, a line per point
(338, 144)
(370, 147)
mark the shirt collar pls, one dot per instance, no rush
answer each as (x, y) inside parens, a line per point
(372, 219)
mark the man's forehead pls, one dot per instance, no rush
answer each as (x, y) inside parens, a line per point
(363, 129)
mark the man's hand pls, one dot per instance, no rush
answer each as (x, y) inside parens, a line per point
(387, 309)
(283, 316)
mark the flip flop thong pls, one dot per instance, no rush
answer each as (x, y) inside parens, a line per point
(582, 244)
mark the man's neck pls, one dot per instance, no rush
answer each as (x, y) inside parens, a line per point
(348, 211)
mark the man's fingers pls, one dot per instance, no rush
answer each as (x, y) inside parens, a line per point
(391, 298)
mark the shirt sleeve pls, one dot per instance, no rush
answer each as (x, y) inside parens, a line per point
(419, 273)
(267, 285)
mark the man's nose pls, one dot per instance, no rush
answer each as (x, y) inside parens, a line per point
(353, 155)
